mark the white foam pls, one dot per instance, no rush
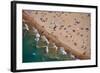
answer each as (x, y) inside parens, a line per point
(47, 50)
(72, 56)
(37, 35)
(43, 37)
(33, 53)
(26, 26)
(63, 51)
(37, 39)
(55, 46)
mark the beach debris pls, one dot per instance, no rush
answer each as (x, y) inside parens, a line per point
(54, 28)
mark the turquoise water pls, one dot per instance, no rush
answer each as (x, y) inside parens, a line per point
(32, 53)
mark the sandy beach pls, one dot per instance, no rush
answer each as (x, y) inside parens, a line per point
(66, 29)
